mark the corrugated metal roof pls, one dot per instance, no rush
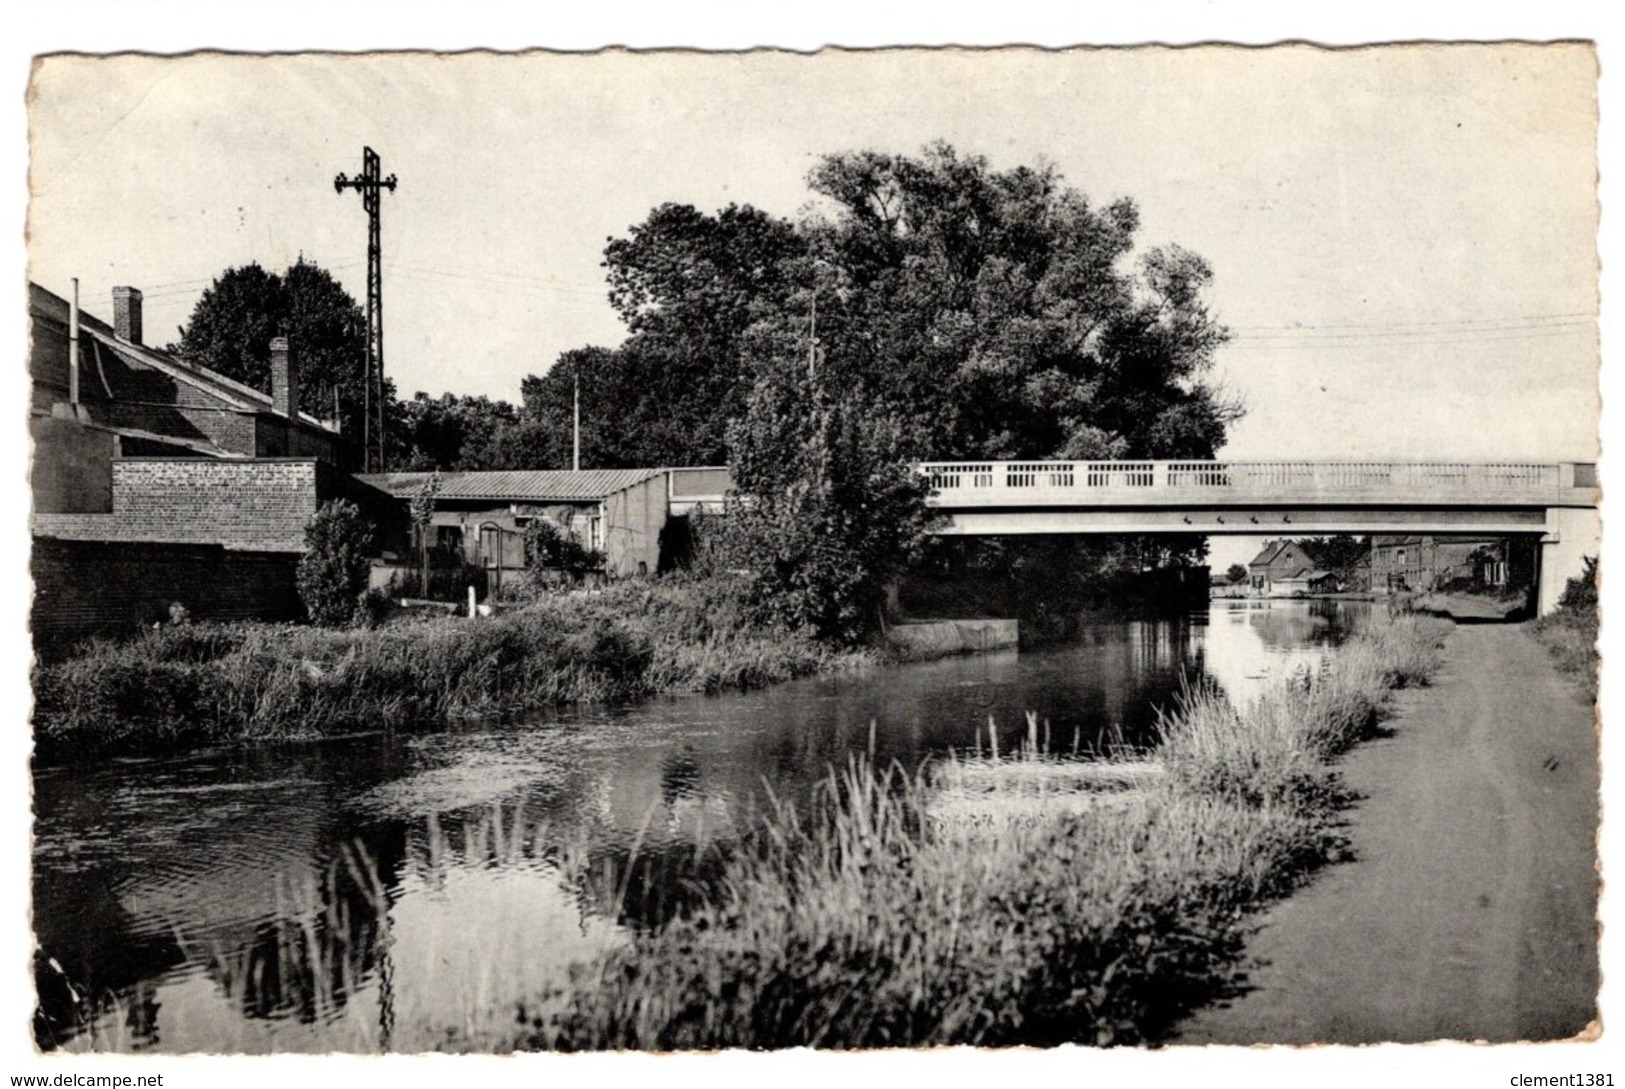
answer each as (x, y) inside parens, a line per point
(521, 486)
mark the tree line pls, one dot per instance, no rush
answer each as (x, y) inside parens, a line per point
(928, 306)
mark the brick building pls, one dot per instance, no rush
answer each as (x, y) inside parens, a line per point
(156, 481)
(117, 397)
(1283, 569)
(1429, 563)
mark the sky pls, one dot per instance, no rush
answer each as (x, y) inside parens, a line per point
(1398, 285)
(1402, 239)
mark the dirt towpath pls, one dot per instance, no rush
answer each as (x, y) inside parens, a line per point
(1468, 912)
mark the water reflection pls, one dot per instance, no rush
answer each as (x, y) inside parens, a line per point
(405, 894)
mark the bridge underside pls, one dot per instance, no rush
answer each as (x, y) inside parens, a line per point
(1267, 520)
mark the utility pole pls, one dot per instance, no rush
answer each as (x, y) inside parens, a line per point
(575, 461)
(369, 184)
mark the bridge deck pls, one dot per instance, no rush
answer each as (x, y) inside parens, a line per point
(1012, 485)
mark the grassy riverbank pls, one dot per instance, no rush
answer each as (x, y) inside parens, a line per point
(866, 923)
(1570, 637)
(205, 683)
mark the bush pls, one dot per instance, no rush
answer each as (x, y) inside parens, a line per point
(1580, 592)
(332, 573)
(835, 512)
(549, 548)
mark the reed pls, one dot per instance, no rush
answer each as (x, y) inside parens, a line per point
(202, 683)
(863, 922)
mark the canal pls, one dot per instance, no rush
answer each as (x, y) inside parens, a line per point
(408, 892)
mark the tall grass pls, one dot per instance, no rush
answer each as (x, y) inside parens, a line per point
(258, 682)
(1570, 637)
(865, 923)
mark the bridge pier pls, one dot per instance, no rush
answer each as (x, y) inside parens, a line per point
(1572, 533)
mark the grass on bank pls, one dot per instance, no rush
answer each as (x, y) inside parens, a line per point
(1569, 633)
(864, 923)
(203, 683)
(1571, 639)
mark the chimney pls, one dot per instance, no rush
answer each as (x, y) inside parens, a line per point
(284, 379)
(127, 314)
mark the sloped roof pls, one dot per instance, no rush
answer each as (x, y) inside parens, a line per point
(132, 366)
(515, 486)
(1271, 550)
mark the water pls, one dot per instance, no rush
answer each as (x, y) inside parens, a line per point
(381, 893)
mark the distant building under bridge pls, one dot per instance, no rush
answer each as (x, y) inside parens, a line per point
(1428, 563)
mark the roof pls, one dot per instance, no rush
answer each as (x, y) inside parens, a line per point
(121, 370)
(516, 486)
(1272, 551)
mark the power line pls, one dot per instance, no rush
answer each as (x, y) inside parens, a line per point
(534, 283)
(1327, 343)
(1416, 324)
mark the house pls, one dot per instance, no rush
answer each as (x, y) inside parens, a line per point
(1283, 569)
(158, 482)
(118, 397)
(482, 515)
(1430, 563)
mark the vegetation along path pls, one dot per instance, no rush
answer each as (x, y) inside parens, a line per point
(1469, 910)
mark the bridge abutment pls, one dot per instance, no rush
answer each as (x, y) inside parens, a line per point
(1572, 533)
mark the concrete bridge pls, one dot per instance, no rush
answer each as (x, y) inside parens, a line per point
(1554, 501)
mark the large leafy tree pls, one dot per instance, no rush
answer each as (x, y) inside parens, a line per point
(998, 315)
(1007, 315)
(231, 328)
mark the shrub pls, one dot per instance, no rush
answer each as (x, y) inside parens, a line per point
(1570, 631)
(332, 573)
(1580, 592)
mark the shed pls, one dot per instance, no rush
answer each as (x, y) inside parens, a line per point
(482, 515)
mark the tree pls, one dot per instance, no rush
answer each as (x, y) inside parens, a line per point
(332, 574)
(1340, 554)
(1236, 573)
(232, 325)
(688, 286)
(421, 511)
(1002, 313)
(968, 313)
(449, 432)
(833, 513)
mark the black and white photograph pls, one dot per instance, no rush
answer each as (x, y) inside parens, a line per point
(1084, 552)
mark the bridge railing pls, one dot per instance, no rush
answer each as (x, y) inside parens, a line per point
(1016, 481)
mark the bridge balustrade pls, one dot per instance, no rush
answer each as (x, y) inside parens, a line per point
(1257, 480)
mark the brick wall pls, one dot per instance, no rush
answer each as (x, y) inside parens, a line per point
(255, 505)
(88, 587)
